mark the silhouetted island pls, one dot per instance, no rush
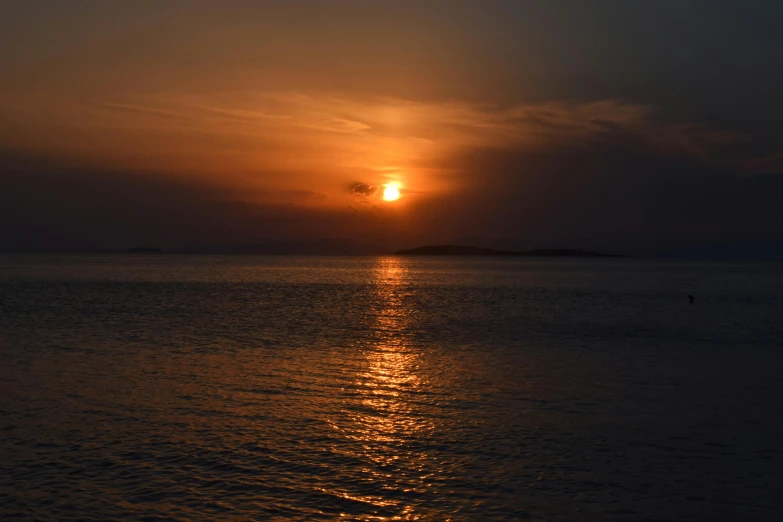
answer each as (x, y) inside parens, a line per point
(458, 250)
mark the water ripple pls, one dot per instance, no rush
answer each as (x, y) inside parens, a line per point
(386, 389)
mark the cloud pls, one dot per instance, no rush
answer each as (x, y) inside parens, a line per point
(239, 134)
(612, 196)
(769, 163)
(363, 189)
(271, 164)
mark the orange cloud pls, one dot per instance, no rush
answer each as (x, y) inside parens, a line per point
(275, 144)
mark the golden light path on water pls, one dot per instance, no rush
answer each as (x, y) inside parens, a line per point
(383, 420)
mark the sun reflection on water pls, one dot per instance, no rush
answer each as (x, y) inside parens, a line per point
(384, 416)
(390, 381)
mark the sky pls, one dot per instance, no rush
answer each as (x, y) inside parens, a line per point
(641, 127)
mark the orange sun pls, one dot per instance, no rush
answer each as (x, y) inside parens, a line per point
(391, 192)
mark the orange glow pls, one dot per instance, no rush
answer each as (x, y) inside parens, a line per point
(391, 193)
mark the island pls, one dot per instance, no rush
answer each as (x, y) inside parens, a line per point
(458, 250)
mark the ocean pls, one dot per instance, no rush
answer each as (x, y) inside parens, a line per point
(190, 388)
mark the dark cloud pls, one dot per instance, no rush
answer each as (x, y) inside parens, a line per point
(363, 189)
(617, 194)
(45, 205)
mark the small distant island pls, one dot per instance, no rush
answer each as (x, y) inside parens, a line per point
(457, 250)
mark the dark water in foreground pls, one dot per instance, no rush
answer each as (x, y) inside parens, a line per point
(241, 388)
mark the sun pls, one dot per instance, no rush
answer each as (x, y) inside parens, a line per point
(391, 192)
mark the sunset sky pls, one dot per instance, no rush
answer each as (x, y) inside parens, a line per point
(649, 127)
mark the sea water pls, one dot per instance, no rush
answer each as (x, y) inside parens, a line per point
(162, 387)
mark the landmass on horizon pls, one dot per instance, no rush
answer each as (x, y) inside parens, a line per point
(333, 247)
(459, 250)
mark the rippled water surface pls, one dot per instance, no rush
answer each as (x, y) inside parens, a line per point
(285, 388)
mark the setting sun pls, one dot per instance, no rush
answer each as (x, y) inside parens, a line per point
(391, 193)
